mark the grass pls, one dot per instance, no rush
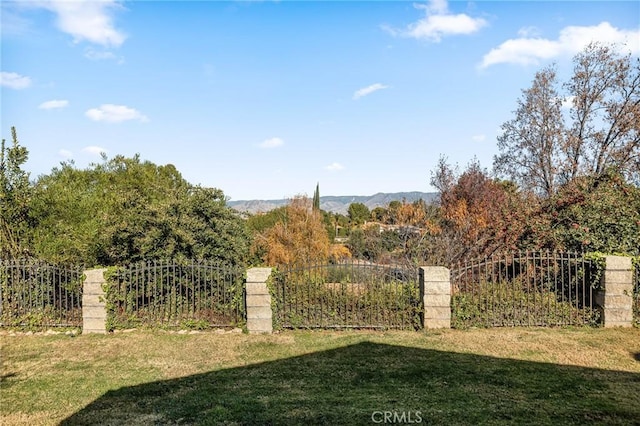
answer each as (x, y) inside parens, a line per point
(490, 376)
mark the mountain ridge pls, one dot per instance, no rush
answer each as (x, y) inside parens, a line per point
(336, 203)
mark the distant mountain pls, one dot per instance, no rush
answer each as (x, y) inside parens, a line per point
(337, 204)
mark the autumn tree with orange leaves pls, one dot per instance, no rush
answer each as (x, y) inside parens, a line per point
(299, 237)
(478, 215)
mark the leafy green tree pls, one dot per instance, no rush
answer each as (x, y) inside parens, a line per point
(358, 213)
(262, 221)
(379, 214)
(71, 211)
(15, 196)
(337, 225)
(330, 222)
(596, 214)
(213, 230)
(126, 210)
(365, 243)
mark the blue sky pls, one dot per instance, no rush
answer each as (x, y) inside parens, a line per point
(265, 99)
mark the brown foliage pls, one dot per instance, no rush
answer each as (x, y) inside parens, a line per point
(479, 215)
(300, 237)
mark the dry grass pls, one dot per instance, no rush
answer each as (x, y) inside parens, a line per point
(46, 379)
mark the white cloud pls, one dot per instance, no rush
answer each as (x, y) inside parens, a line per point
(88, 20)
(94, 150)
(478, 138)
(53, 104)
(529, 32)
(368, 90)
(439, 22)
(14, 80)
(272, 143)
(99, 55)
(65, 153)
(528, 50)
(115, 114)
(335, 167)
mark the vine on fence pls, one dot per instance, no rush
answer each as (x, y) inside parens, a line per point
(511, 304)
(338, 296)
(175, 295)
(36, 295)
(527, 288)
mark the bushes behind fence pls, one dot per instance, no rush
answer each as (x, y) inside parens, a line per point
(37, 295)
(346, 296)
(175, 295)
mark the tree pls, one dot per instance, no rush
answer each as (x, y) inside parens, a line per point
(358, 213)
(214, 231)
(530, 143)
(540, 152)
(596, 214)
(316, 198)
(366, 243)
(298, 239)
(126, 210)
(478, 215)
(262, 221)
(605, 133)
(15, 196)
(378, 214)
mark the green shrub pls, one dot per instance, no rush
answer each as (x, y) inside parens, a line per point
(340, 296)
(512, 304)
(168, 295)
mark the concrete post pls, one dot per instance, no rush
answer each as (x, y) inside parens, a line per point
(258, 301)
(615, 298)
(94, 312)
(435, 292)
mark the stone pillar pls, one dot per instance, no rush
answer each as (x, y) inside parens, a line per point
(615, 297)
(435, 292)
(94, 312)
(258, 301)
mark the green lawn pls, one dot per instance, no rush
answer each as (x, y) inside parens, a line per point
(493, 376)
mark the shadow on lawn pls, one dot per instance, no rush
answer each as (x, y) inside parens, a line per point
(350, 385)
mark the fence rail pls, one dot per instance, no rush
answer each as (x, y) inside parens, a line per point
(36, 294)
(517, 289)
(167, 294)
(347, 295)
(525, 289)
(636, 293)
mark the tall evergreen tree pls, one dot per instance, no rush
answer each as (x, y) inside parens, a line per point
(316, 198)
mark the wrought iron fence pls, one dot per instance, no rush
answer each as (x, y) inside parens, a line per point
(525, 289)
(636, 293)
(346, 295)
(35, 294)
(195, 295)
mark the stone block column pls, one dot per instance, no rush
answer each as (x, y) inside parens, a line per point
(435, 293)
(258, 301)
(94, 312)
(615, 298)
